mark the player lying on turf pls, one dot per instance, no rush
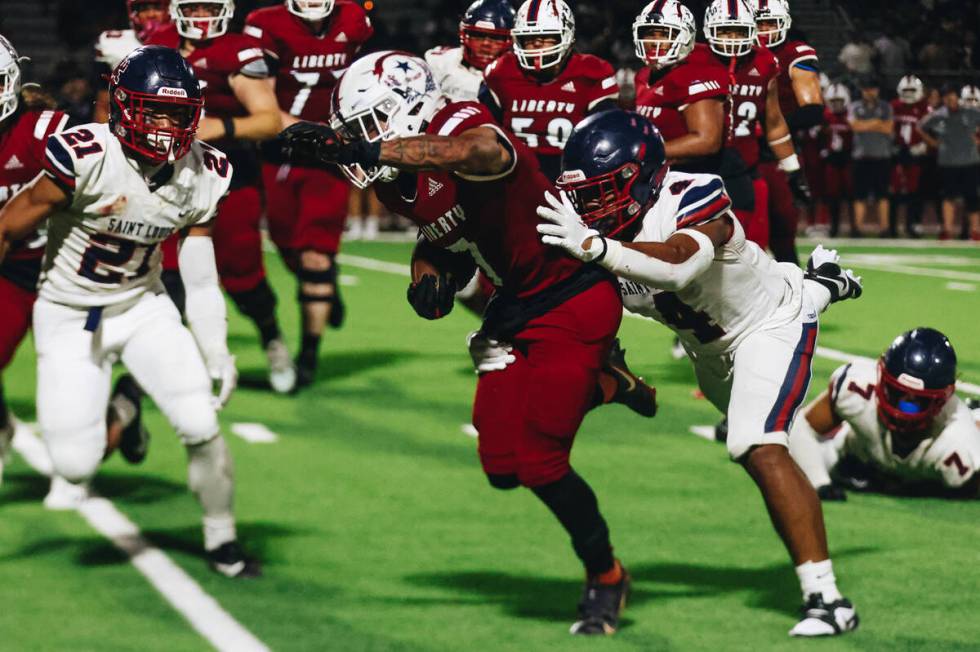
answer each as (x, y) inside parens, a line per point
(112, 194)
(749, 324)
(898, 418)
(473, 189)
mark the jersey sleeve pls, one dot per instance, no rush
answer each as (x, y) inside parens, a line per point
(48, 123)
(701, 83)
(470, 115)
(255, 28)
(959, 460)
(852, 387)
(73, 157)
(251, 59)
(605, 87)
(216, 180)
(702, 202)
(801, 55)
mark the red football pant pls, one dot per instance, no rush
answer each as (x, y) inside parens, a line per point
(306, 208)
(755, 223)
(905, 178)
(237, 240)
(783, 214)
(16, 304)
(528, 414)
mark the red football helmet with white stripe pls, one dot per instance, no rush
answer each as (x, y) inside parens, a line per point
(538, 19)
(729, 26)
(664, 33)
(772, 20)
(200, 27)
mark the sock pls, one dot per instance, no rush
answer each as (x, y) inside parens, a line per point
(259, 305)
(819, 294)
(123, 409)
(818, 577)
(210, 475)
(309, 350)
(574, 504)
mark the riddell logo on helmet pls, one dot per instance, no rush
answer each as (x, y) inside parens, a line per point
(172, 92)
(570, 176)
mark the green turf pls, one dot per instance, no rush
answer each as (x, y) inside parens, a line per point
(378, 531)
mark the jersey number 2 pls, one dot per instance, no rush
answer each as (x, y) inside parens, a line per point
(115, 252)
(682, 316)
(76, 140)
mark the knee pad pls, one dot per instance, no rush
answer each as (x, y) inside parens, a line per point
(326, 277)
(77, 453)
(503, 481)
(195, 419)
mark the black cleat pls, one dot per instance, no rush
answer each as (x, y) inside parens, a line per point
(305, 372)
(831, 493)
(230, 560)
(825, 619)
(135, 440)
(631, 391)
(600, 607)
(721, 430)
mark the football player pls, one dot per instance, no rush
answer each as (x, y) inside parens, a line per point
(241, 110)
(970, 96)
(542, 89)
(114, 193)
(899, 416)
(472, 188)
(113, 45)
(836, 154)
(24, 131)
(313, 42)
(484, 35)
(908, 108)
(798, 86)
(748, 323)
(730, 28)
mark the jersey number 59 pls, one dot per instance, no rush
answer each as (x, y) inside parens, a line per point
(559, 129)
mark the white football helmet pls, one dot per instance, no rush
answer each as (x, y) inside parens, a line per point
(730, 16)
(310, 9)
(663, 33)
(911, 89)
(775, 13)
(970, 96)
(837, 97)
(384, 95)
(543, 18)
(201, 28)
(9, 79)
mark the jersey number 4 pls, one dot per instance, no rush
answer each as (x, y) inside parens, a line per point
(107, 251)
(683, 317)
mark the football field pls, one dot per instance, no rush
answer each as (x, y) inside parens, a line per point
(364, 498)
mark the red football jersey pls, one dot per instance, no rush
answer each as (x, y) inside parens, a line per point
(749, 83)
(790, 53)
(493, 219)
(309, 62)
(214, 62)
(837, 136)
(543, 114)
(22, 157)
(907, 116)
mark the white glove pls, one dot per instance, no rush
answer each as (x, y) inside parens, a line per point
(488, 354)
(820, 256)
(567, 229)
(224, 375)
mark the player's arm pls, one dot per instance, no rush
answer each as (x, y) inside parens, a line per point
(705, 121)
(263, 120)
(437, 274)
(25, 211)
(817, 420)
(478, 152)
(805, 82)
(925, 131)
(781, 143)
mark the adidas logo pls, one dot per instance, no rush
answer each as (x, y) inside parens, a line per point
(341, 38)
(570, 87)
(13, 164)
(754, 73)
(434, 186)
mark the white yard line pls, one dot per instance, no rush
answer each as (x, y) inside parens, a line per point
(888, 243)
(185, 595)
(254, 433)
(961, 287)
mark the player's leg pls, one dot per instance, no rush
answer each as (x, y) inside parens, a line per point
(15, 305)
(882, 195)
(163, 356)
(771, 376)
(783, 215)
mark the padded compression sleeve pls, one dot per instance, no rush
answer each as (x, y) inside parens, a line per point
(205, 311)
(639, 267)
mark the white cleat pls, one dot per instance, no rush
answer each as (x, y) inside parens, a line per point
(282, 371)
(65, 495)
(821, 619)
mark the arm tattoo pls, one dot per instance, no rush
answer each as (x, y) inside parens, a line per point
(453, 153)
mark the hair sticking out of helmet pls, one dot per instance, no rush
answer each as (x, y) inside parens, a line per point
(155, 104)
(663, 33)
(310, 9)
(200, 20)
(729, 26)
(911, 89)
(772, 21)
(146, 15)
(916, 378)
(544, 31)
(9, 79)
(485, 31)
(613, 167)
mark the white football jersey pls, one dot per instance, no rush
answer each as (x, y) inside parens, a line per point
(457, 80)
(113, 46)
(950, 453)
(103, 247)
(743, 290)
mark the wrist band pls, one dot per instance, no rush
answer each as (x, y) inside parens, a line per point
(229, 124)
(605, 248)
(779, 141)
(790, 164)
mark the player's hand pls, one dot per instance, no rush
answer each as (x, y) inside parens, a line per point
(310, 143)
(433, 296)
(566, 229)
(831, 493)
(799, 187)
(224, 375)
(489, 354)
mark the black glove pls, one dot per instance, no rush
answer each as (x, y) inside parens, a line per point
(830, 492)
(432, 297)
(799, 187)
(311, 143)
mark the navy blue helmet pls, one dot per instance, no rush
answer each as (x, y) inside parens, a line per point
(484, 31)
(612, 168)
(917, 376)
(155, 103)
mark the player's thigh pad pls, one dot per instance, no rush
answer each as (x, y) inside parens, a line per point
(282, 190)
(322, 212)
(771, 375)
(498, 415)
(73, 377)
(163, 357)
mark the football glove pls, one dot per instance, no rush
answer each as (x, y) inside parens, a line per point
(224, 376)
(311, 143)
(799, 187)
(433, 296)
(488, 354)
(567, 230)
